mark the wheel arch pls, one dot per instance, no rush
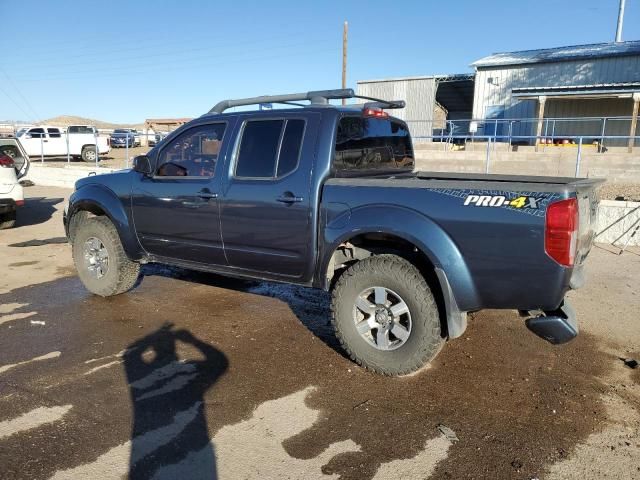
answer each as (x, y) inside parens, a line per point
(100, 201)
(415, 237)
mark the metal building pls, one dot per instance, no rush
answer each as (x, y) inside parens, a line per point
(429, 99)
(597, 86)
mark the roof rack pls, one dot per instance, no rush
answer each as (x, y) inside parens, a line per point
(318, 97)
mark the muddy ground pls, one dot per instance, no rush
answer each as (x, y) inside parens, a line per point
(197, 376)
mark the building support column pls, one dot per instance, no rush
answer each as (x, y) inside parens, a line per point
(634, 121)
(542, 100)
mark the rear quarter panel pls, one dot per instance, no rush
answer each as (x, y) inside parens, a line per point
(494, 257)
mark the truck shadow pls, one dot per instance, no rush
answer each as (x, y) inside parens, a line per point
(167, 394)
(311, 306)
(36, 210)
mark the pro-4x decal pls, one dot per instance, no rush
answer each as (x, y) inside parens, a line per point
(522, 201)
(532, 203)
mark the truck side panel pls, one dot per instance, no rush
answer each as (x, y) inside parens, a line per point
(494, 257)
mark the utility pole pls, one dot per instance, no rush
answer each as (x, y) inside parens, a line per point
(345, 32)
(620, 21)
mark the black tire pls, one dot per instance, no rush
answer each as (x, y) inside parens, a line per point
(121, 273)
(398, 276)
(89, 154)
(7, 220)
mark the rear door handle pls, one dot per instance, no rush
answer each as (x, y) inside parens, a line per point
(289, 197)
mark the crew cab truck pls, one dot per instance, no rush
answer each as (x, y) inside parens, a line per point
(327, 197)
(79, 140)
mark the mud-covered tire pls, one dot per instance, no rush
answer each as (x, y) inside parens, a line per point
(121, 273)
(7, 220)
(89, 154)
(401, 277)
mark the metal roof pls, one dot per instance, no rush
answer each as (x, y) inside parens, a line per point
(606, 89)
(545, 55)
(437, 78)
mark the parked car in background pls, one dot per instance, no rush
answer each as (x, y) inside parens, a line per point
(121, 138)
(49, 141)
(14, 164)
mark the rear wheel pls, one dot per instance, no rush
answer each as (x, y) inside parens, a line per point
(103, 266)
(385, 315)
(89, 154)
(7, 220)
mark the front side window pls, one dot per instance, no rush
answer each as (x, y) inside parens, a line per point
(269, 148)
(37, 132)
(194, 153)
(375, 144)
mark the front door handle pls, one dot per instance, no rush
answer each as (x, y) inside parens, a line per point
(288, 197)
(207, 194)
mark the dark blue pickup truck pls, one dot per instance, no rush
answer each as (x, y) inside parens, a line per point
(328, 197)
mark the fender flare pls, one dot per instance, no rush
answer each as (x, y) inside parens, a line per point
(98, 199)
(455, 279)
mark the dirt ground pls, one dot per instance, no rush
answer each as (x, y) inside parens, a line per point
(198, 376)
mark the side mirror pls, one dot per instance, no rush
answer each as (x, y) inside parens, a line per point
(142, 164)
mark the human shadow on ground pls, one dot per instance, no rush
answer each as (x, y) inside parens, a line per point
(167, 393)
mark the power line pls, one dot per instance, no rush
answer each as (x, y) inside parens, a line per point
(24, 99)
(194, 62)
(28, 116)
(162, 68)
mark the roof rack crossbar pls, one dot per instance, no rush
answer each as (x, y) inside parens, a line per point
(320, 97)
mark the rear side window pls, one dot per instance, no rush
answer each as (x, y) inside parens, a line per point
(290, 149)
(53, 132)
(80, 129)
(369, 144)
(269, 148)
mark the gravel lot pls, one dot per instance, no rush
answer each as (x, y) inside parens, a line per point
(194, 375)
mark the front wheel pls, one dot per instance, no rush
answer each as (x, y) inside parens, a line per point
(385, 315)
(103, 266)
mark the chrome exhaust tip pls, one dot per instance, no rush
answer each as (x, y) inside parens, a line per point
(557, 326)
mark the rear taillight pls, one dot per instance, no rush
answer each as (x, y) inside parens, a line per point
(561, 231)
(375, 112)
(6, 161)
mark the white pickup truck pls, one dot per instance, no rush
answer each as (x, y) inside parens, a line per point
(47, 141)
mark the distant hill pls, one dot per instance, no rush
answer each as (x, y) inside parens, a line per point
(66, 120)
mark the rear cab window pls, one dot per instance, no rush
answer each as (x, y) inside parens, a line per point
(80, 129)
(269, 149)
(372, 145)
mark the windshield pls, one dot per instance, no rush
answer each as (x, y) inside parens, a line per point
(372, 144)
(120, 131)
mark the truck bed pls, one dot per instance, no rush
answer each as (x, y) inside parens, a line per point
(501, 247)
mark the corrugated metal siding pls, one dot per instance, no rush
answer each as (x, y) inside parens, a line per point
(419, 95)
(498, 93)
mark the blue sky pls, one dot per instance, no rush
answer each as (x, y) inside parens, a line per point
(124, 61)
